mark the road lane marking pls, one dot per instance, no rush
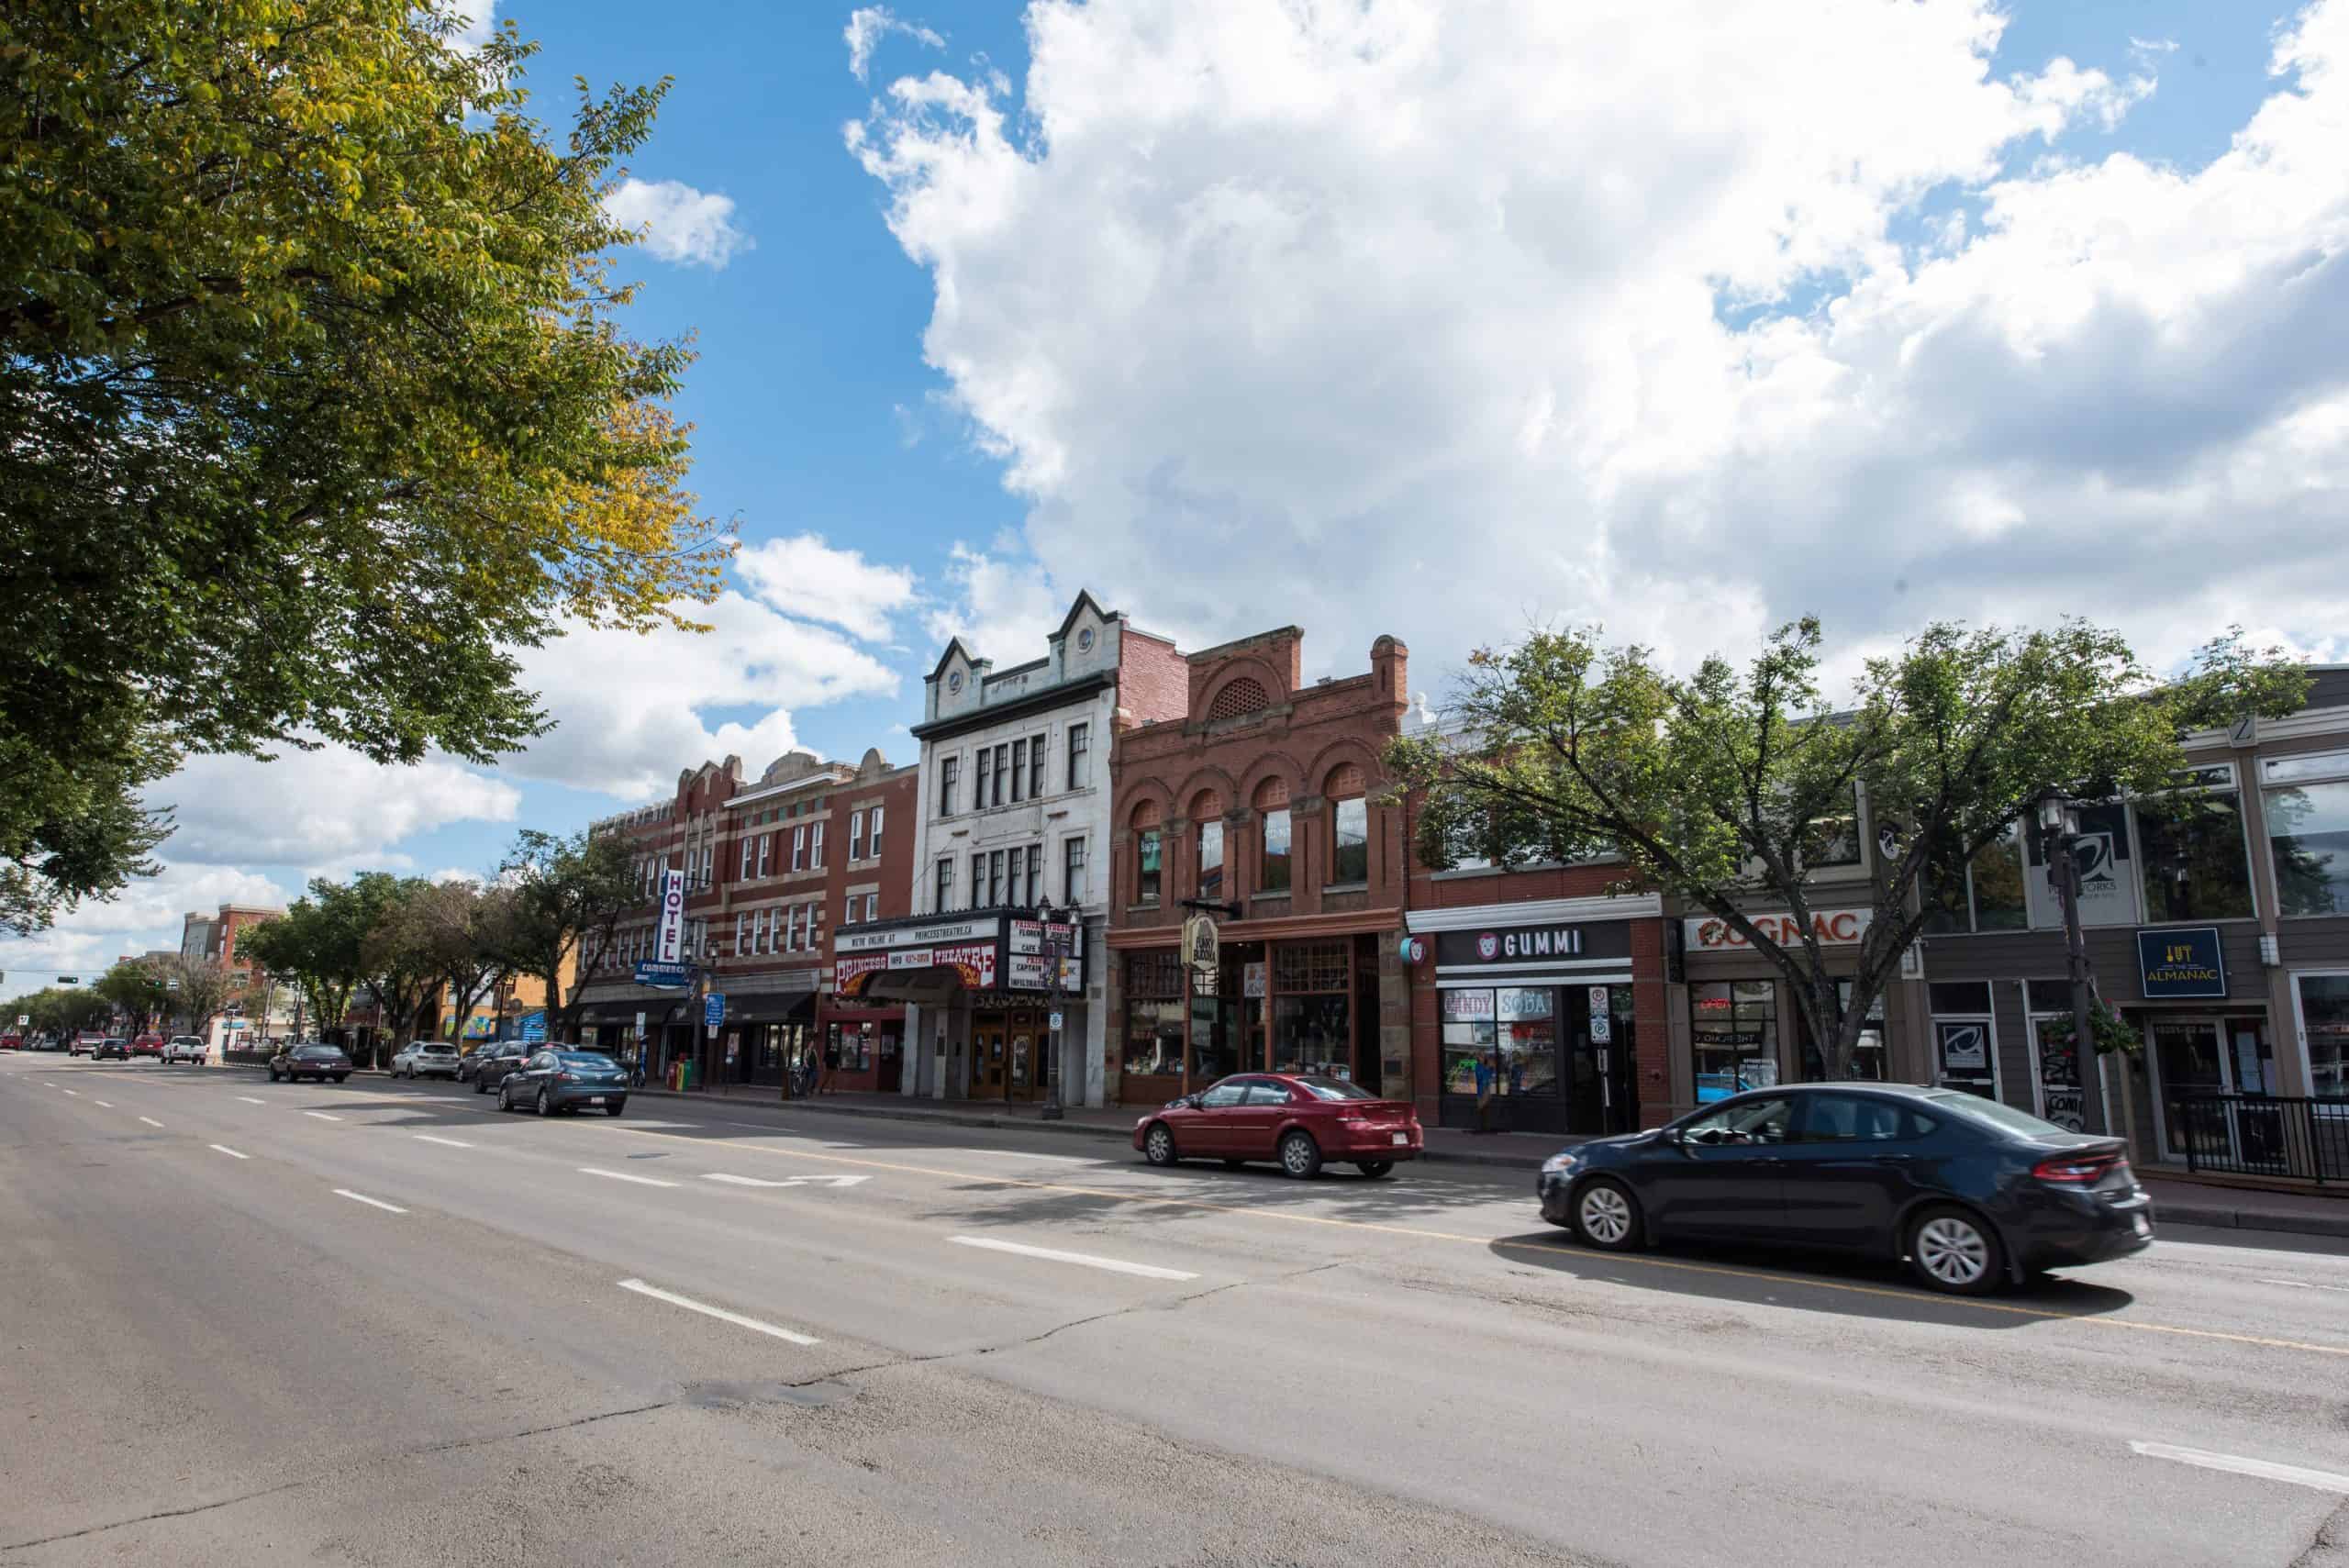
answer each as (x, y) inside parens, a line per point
(104, 1105)
(690, 1305)
(2267, 1470)
(370, 1201)
(446, 1143)
(323, 1116)
(231, 1153)
(250, 1101)
(624, 1177)
(150, 1121)
(2304, 1284)
(1595, 1258)
(1147, 1271)
(75, 1093)
(1039, 1159)
(833, 1182)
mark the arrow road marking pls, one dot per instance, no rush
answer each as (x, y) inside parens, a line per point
(785, 1182)
(2267, 1470)
(1147, 1271)
(624, 1177)
(719, 1313)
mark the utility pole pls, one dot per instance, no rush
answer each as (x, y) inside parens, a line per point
(2059, 821)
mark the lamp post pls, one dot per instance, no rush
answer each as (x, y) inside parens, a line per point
(2059, 828)
(1056, 953)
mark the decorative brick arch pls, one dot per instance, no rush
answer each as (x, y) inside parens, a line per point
(1209, 780)
(1232, 696)
(1272, 765)
(1336, 755)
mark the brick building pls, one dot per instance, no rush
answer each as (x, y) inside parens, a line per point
(1263, 793)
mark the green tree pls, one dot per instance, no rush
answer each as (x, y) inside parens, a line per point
(314, 403)
(200, 989)
(316, 947)
(396, 961)
(571, 893)
(136, 991)
(469, 935)
(61, 1009)
(1733, 785)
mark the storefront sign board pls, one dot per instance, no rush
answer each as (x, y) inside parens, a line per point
(2181, 962)
(1836, 927)
(1533, 945)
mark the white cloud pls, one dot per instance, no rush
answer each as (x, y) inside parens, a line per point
(680, 224)
(1002, 609)
(480, 19)
(868, 24)
(1433, 316)
(631, 707)
(86, 940)
(327, 811)
(806, 577)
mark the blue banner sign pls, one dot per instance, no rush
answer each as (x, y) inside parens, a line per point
(713, 1010)
(2181, 961)
(534, 1029)
(664, 976)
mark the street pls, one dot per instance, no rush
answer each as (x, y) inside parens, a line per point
(382, 1323)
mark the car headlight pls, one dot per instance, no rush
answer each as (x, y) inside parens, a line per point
(1557, 1162)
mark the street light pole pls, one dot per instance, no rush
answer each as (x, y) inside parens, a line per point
(2059, 822)
(1056, 953)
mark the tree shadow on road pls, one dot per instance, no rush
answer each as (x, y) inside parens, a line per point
(1810, 1282)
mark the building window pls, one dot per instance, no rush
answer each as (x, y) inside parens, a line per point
(757, 930)
(1733, 1031)
(2308, 831)
(855, 836)
(998, 884)
(2193, 857)
(2324, 1018)
(872, 849)
(1035, 765)
(1018, 770)
(1014, 886)
(1986, 894)
(1002, 766)
(1312, 1015)
(1350, 841)
(744, 873)
(1963, 1050)
(1868, 1054)
(741, 930)
(847, 910)
(1035, 873)
(986, 776)
(1080, 760)
(1146, 847)
(1153, 1015)
(799, 848)
(1211, 858)
(1273, 871)
(979, 879)
(945, 899)
(1833, 841)
(766, 842)
(1072, 880)
(949, 769)
(815, 846)
(871, 908)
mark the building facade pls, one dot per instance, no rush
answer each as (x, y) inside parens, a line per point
(1013, 821)
(265, 1010)
(1262, 794)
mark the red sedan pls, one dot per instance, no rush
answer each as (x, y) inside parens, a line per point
(1297, 1120)
(148, 1045)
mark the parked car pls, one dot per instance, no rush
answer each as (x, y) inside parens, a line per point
(1299, 1120)
(296, 1062)
(425, 1059)
(1972, 1194)
(549, 1081)
(84, 1042)
(113, 1048)
(492, 1062)
(147, 1045)
(185, 1048)
(12, 1041)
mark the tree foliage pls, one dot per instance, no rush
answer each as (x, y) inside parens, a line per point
(138, 990)
(200, 989)
(571, 893)
(60, 1009)
(318, 947)
(468, 937)
(313, 403)
(1730, 788)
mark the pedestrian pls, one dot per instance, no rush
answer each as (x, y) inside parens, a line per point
(829, 1062)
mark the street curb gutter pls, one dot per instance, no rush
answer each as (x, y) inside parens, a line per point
(2246, 1219)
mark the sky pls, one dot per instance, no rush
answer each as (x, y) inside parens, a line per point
(1431, 317)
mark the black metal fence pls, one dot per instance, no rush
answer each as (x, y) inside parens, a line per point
(2261, 1135)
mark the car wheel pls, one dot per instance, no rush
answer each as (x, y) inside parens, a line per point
(343, 1077)
(505, 1100)
(1373, 1169)
(1300, 1156)
(1158, 1145)
(481, 1085)
(1955, 1250)
(616, 1107)
(1607, 1215)
(546, 1105)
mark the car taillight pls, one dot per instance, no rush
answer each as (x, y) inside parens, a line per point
(2075, 1170)
(566, 1077)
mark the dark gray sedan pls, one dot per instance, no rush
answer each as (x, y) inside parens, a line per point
(552, 1081)
(492, 1063)
(296, 1062)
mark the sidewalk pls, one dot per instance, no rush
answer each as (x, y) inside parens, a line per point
(1506, 1151)
(2231, 1208)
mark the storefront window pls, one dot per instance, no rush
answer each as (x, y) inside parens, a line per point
(1275, 868)
(1985, 895)
(1350, 856)
(1527, 1058)
(1962, 1037)
(2308, 833)
(2190, 853)
(1734, 1030)
(2324, 1013)
(1311, 1034)
(1153, 1015)
(1868, 1054)
(1468, 1039)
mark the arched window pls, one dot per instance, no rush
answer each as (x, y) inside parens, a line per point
(1146, 852)
(1237, 700)
(1273, 824)
(1206, 827)
(1349, 825)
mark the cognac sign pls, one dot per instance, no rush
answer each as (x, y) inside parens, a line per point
(1836, 927)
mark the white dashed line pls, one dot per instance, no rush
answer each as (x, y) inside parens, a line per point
(2304, 1284)
(785, 1182)
(323, 1116)
(719, 1313)
(104, 1105)
(231, 1153)
(1147, 1271)
(250, 1101)
(2266, 1469)
(75, 1093)
(445, 1142)
(150, 1121)
(624, 1177)
(370, 1201)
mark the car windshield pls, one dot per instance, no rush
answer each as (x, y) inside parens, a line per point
(2000, 1115)
(585, 1059)
(1335, 1089)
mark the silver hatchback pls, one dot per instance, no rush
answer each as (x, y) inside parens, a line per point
(426, 1058)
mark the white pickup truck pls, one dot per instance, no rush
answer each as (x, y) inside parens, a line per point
(186, 1047)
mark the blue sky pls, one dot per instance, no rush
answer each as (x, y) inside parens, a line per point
(1403, 326)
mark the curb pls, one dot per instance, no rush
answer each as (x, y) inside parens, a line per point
(2250, 1220)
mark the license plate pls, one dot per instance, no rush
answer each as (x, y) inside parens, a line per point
(1403, 1138)
(594, 1099)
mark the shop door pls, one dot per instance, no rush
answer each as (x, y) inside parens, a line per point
(986, 1060)
(1024, 1065)
(2200, 1058)
(892, 1066)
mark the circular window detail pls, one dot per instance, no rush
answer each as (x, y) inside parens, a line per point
(954, 682)
(1085, 639)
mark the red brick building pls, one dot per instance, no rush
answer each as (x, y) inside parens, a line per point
(1263, 794)
(1538, 1001)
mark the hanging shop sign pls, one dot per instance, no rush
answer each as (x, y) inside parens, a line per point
(849, 975)
(669, 937)
(2181, 962)
(918, 934)
(664, 976)
(1836, 927)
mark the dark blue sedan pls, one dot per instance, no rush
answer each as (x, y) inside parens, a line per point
(551, 1081)
(1972, 1194)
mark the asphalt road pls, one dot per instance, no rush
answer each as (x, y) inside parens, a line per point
(701, 1335)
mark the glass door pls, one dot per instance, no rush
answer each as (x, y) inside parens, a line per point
(2199, 1059)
